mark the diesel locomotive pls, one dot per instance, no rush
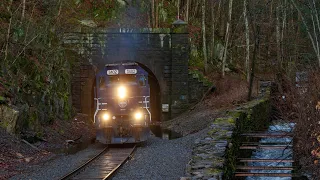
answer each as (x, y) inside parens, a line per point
(122, 104)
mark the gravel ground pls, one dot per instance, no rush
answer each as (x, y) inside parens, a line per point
(160, 159)
(193, 121)
(155, 159)
(59, 166)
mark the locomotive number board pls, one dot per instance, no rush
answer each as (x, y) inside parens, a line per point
(130, 71)
(113, 72)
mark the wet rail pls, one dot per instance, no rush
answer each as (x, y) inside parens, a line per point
(270, 154)
(103, 165)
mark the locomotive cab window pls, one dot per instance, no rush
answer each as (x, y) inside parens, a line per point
(113, 79)
(102, 83)
(128, 79)
(142, 81)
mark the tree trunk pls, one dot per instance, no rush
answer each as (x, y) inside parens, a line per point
(278, 36)
(316, 27)
(213, 31)
(23, 10)
(178, 7)
(284, 25)
(149, 12)
(153, 14)
(8, 33)
(204, 48)
(247, 62)
(187, 11)
(196, 8)
(157, 13)
(224, 60)
(256, 46)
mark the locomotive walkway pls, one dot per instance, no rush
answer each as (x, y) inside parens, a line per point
(103, 165)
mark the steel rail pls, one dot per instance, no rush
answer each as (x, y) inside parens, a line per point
(99, 157)
(84, 165)
(112, 173)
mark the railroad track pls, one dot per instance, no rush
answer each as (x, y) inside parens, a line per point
(267, 154)
(103, 165)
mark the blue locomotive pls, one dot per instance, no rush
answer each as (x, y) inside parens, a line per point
(122, 103)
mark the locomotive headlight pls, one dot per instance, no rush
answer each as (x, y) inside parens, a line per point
(138, 115)
(122, 92)
(105, 116)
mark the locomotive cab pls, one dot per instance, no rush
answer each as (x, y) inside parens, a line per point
(122, 101)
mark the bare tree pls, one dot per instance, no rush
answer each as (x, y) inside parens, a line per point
(23, 10)
(204, 45)
(247, 32)
(187, 10)
(153, 14)
(312, 34)
(8, 32)
(228, 29)
(278, 36)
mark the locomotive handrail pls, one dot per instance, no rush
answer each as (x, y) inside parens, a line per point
(97, 109)
(145, 100)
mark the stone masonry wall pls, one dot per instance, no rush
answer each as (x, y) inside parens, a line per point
(197, 88)
(214, 156)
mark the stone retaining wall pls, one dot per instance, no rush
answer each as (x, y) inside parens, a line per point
(197, 88)
(214, 156)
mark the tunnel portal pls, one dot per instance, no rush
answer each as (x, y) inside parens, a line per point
(164, 53)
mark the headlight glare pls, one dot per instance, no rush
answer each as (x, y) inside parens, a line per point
(122, 92)
(105, 116)
(138, 115)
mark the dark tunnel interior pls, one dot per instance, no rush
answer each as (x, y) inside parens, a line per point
(155, 95)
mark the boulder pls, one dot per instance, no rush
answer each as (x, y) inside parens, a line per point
(8, 118)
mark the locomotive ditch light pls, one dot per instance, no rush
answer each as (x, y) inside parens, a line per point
(122, 92)
(105, 116)
(138, 115)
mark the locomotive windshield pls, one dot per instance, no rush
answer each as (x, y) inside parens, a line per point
(142, 80)
(123, 79)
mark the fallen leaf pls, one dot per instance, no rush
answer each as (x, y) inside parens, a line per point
(19, 155)
(28, 159)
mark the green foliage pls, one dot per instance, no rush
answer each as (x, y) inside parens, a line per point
(2, 99)
(201, 77)
(35, 68)
(196, 59)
